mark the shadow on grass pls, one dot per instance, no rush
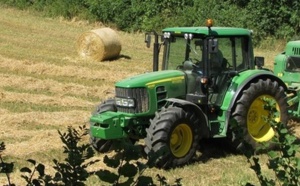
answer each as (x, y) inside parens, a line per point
(294, 126)
(213, 149)
(208, 149)
(218, 148)
(121, 56)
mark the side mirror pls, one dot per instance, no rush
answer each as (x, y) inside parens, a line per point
(259, 61)
(148, 40)
(213, 45)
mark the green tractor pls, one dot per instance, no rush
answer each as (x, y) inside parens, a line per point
(207, 80)
(287, 68)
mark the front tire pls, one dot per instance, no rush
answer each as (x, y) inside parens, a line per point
(176, 132)
(252, 116)
(102, 145)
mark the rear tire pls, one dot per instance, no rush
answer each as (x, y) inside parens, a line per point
(102, 145)
(252, 117)
(174, 131)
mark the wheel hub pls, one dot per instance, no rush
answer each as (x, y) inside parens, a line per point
(181, 140)
(258, 119)
(252, 116)
(174, 139)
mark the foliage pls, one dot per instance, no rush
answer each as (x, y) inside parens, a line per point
(28, 174)
(282, 161)
(130, 167)
(138, 14)
(124, 166)
(66, 8)
(71, 172)
(279, 19)
(74, 170)
(5, 168)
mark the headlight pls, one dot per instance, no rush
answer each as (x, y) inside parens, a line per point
(167, 35)
(188, 36)
(125, 102)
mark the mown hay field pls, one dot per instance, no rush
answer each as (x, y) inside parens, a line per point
(45, 86)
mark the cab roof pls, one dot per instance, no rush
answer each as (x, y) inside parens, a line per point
(292, 48)
(216, 31)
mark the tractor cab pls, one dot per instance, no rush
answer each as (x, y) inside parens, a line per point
(210, 57)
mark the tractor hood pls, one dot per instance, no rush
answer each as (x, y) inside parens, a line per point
(153, 79)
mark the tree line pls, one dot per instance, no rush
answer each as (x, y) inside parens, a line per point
(277, 19)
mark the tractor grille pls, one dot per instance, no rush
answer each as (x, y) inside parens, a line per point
(161, 95)
(141, 99)
(296, 50)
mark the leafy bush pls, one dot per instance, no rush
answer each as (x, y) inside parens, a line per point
(279, 19)
(6, 168)
(71, 172)
(79, 157)
(282, 161)
(22, 4)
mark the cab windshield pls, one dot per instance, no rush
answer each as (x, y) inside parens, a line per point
(232, 54)
(178, 50)
(293, 64)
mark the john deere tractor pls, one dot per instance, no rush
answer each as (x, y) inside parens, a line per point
(287, 68)
(208, 81)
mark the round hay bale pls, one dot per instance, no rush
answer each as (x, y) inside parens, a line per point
(99, 44)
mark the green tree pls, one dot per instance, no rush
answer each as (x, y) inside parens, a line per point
(279, 19)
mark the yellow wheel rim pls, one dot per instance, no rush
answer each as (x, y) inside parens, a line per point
(181, 140)
(258, 117)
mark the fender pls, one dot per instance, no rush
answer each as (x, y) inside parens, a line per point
(238, 85)
(203, 118)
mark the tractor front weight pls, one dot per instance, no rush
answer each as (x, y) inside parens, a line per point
(109, 125)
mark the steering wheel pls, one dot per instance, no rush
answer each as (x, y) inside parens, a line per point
(226, 64)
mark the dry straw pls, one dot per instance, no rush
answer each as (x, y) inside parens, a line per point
(99, 44)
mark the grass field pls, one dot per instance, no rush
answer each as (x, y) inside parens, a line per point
(45, 87)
